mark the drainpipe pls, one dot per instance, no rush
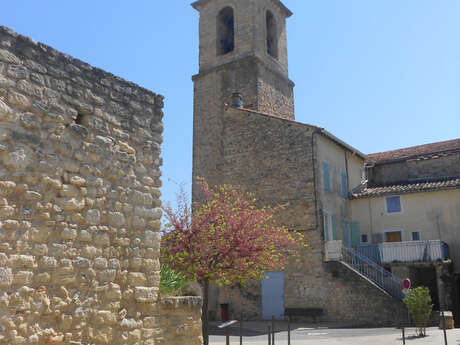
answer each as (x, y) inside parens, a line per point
(371, 225)
(349, 215)
(314, 176)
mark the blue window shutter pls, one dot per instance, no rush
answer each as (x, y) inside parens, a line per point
(334, 227)
(355, 234)
(393, 204)
(326, 177)
(344, 185)
(345, 234)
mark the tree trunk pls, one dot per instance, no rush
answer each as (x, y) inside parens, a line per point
(204, 316)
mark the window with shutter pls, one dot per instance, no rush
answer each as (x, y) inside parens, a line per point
(327, 176)
(416, 236)
(346, 234)
(393, 204)
(334, 227)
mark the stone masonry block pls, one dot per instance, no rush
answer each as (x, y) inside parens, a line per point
(146, 294)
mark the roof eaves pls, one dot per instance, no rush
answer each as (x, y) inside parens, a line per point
(342, 143)
(430, 186)
(415, 152)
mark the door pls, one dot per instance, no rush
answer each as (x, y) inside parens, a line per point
(393, 236)
(355, 234)
(346, 234)
(273, 296)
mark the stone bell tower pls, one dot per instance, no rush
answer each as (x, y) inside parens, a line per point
(243, 48)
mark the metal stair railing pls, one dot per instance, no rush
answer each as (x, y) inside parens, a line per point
(373, 271)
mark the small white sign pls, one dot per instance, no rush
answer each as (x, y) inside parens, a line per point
(226, 324)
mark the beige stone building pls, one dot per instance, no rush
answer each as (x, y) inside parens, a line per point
(245, 133)
(408, 211)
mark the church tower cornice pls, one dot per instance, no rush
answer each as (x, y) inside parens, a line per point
(198, 5)
(228, 65)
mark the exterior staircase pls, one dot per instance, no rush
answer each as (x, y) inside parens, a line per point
(366, 268)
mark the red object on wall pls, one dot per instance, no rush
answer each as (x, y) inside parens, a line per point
(224, 312)
(406, 284)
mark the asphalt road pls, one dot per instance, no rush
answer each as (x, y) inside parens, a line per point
(335, 336)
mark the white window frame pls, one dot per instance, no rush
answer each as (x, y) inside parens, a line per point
(400, 203)
(419, 235)
(328, 233)
(362, 172)
(393, 230)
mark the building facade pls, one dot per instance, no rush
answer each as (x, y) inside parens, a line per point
(256, 142)
(408, 211)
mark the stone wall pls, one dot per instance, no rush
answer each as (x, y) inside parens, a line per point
(179, 321)
(79, 201)
(275, 93)
(272, 158)
(355, 301)
(441, 166)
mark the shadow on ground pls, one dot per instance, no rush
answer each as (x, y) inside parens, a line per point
(415, 337)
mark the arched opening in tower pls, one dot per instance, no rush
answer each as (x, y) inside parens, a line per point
(272, 35)
(225, 31)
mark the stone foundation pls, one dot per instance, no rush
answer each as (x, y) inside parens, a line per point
(179, 321)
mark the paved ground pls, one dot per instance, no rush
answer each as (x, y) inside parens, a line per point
(333, 335)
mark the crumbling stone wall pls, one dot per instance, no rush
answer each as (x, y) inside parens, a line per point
(79, 201)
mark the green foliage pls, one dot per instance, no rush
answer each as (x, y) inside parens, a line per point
(171, 282)
(418, 301)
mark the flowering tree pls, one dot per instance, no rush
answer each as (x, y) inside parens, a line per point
(226, 240)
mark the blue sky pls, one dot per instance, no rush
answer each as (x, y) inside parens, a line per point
(380, 75)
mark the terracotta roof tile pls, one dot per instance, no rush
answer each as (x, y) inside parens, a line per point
(414, 187)
(415, 151)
